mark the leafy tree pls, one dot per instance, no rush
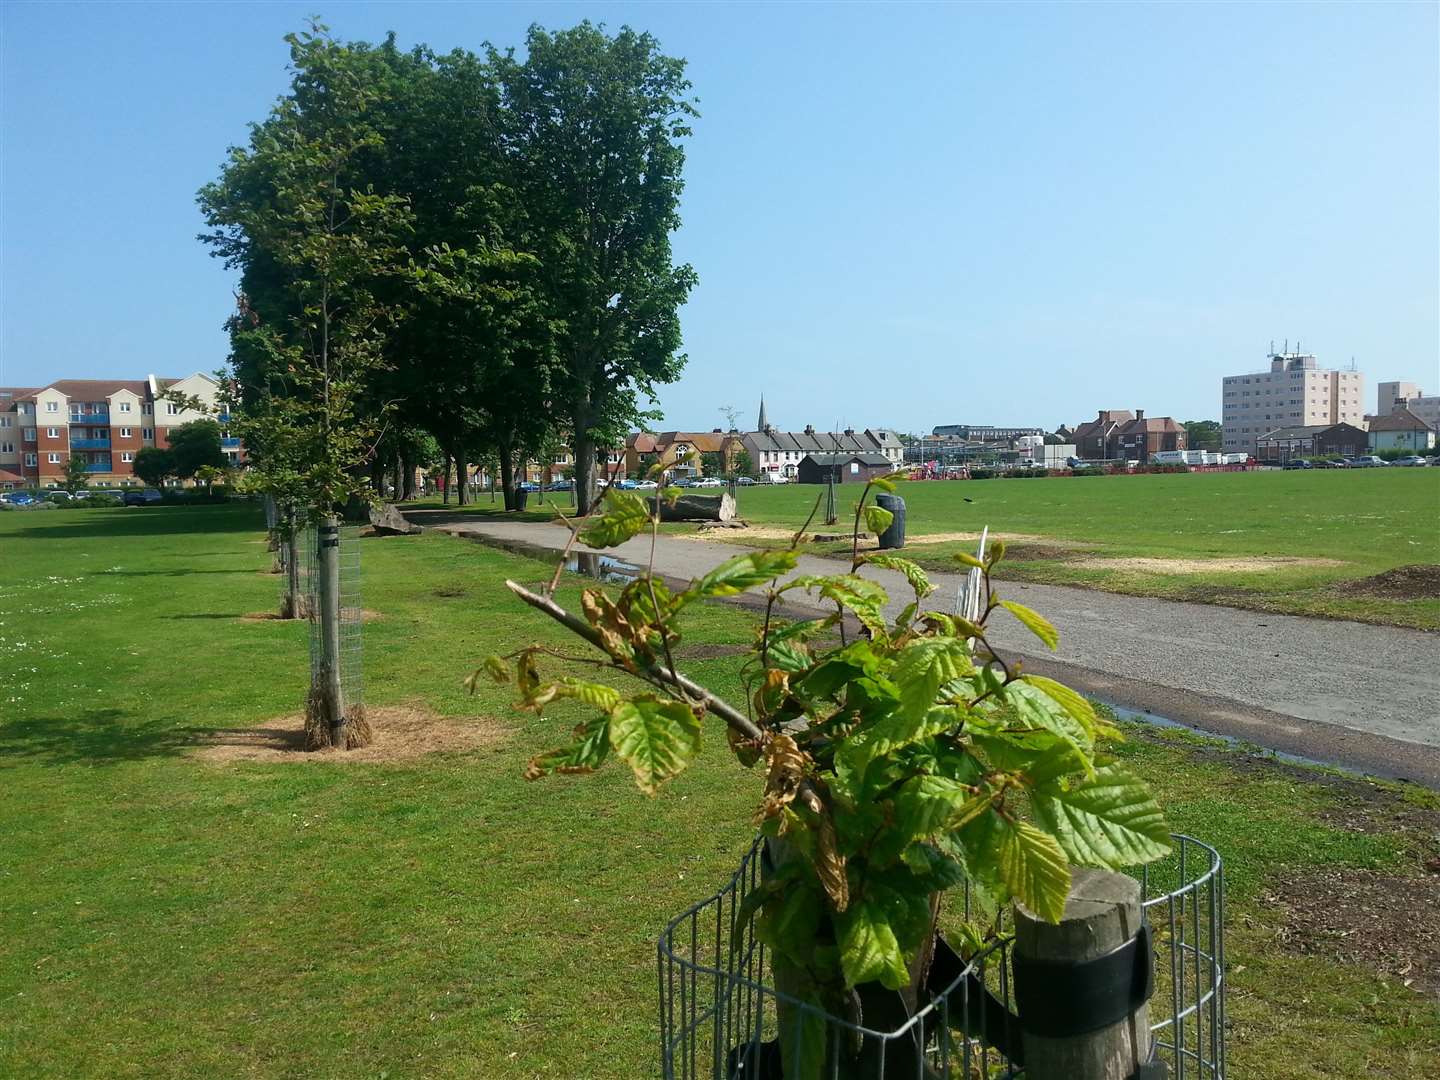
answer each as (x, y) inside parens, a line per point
(897, 766)
(312, 239)
(712, 463)
(155, 465)
(195, 446)
(741, 465)
(1203, 434)
(592, 128)
(209, 475)
(76, 478)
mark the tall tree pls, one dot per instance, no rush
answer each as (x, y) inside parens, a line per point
(76, 475)
(593, 130)
(1202, 434)
(155, 465)
(294, 212)
(195, 446)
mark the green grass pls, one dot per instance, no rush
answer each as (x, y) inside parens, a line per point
(1366, 521)
(165, 917)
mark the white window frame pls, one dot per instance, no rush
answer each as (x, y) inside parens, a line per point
(7, 447)
(125, 433)
(53, 458)
(52, 433)
(126, 455)
(171, 409)
(52, 406)
(146, 408)
(122, 406)
(31, 460)
(29, 435)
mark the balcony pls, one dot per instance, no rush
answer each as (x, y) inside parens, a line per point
(97, 466)
(101, 417)
(89, 444)
(225, 444)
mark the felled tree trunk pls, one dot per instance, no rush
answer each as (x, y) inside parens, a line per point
(697, 508)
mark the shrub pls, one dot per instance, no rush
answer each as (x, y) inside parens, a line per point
(982, 474)
(93, 501)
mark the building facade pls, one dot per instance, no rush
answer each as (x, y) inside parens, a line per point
(844, 468)
(1388, 395)
(1401, 430)
(106, 422)
(1120, 435)
(1314, 440)
(1294, 393)
(779, 453)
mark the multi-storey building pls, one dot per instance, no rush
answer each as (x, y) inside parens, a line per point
(105, 421)
(1295, 392)
(1394, 396)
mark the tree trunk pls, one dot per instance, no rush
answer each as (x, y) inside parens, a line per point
(329, 721)
(445, 473)
(584, 446)
(377, 476)
(696, 508)
(462, 478)
(292, 604)
(507, 475)
(407, 476)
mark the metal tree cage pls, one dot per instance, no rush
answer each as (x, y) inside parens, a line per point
(721, 1018)
(352, 672)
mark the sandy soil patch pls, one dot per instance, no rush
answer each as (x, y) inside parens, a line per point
(401, 733)
(1255, 565)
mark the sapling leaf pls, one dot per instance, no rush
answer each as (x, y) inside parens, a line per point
(878, 519)
(624, 515)
(868, 948)
(742, 572)
(1033, 867)
(966, 559)
(657, 738)
(913, 574)
(884, 483)
(1036, 623)
(586, 754)
(1072, 702)
(1111, 821)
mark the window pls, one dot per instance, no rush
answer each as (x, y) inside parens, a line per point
(147, 433)
(4, 421)
(127, 456)
(123, 406)
(30, 460)
(171, 409)
(29, 434)
(52, 406)
(54, 459)
(52, 433)
(7, 447)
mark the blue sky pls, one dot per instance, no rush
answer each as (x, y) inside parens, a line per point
(905, 214)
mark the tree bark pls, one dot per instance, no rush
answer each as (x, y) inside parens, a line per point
(445, 470)
(407, 476)
(584, 447)
(462, 478)
(507, 475)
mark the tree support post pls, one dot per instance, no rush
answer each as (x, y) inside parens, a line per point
(1082, 985)
(332, 705)
(293, 607)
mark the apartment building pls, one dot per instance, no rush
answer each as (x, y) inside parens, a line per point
(1295, 392)
(105, 421)
(1394, 396)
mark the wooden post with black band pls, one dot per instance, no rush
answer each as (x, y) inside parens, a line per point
(1081, 985)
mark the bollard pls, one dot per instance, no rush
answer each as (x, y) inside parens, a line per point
(1081, 985)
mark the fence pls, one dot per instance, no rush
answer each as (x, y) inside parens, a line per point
(352, 682)
(721, 1017)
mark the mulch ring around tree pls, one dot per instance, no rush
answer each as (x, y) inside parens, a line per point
(366, 615)
(1418, 582)
(401, 733)
(1389, 923)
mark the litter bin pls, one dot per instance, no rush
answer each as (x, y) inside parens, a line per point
(894, 536)
(521, 496)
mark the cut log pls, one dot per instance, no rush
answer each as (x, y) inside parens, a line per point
(697, 508)
(388, 521)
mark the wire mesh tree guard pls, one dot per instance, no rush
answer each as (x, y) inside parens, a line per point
(721, 1016)
(352, 681)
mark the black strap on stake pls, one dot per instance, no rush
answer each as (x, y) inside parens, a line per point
(329, 536)
(1059, 999)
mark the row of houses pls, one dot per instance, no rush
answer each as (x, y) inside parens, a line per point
(1401, 430)
(105, 422)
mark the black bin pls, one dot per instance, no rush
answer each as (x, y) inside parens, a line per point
(521, 497)
(894, 536)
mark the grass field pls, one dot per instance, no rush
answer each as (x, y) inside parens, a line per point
(166, 915)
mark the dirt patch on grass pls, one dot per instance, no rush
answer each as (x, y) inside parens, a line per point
(366, 615)
(401, 733)
(739, 536)
(1419, 582)
(1385, 922)
(1254, 565)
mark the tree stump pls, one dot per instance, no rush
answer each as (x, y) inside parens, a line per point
(1102, 913)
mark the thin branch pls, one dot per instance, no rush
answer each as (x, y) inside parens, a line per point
(721, 708)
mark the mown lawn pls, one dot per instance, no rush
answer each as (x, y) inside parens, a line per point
(1316, 533)
(167, 916)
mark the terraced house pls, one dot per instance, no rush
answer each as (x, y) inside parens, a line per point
(105, 421)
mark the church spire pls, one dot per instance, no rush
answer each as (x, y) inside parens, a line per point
(761, 424)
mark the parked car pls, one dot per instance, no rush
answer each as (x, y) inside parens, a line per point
(1298, 463)
(627, 485)
(560, 485)
(647, 485)
(1370, 461)
(745, 481)
(58, 496)
(1412, 461)
(143, 497)
(18, 498)
(708, 482)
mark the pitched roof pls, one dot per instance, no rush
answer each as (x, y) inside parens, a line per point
(1150, 424)
(1399, 420)
(1107, 418)
(8, 477)
(827, 460)
(707, 442)
(642, 442)
(1291, 433)
(98, 388)
(812, 442)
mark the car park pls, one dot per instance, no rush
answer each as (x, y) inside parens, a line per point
(1413, 461)
(746, 481)
(143, 497)
(708, 482)
(1298, 463)
(19, 498)
(1368, 462)
(647, 485)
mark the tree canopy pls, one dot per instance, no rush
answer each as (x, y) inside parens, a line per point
(470, 247)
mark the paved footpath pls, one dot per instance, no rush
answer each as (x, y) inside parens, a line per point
(1343, 692)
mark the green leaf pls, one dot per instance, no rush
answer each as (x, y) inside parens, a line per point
(791, 921)
(878, 519)
(924, 804)
(1040, 710)
(966, 559)
(898, 729)
(1070, 700)
(803, 1037)
(866, 599)
(1036, 623)
(625, 514)
(884, 483)
(1111, 821)
(596, 694)
(658, 738)
(743, 572)
(868, 948)
(787, 656)
(586, 754)
(913, 574)
(1033, 867)
(923, 666)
